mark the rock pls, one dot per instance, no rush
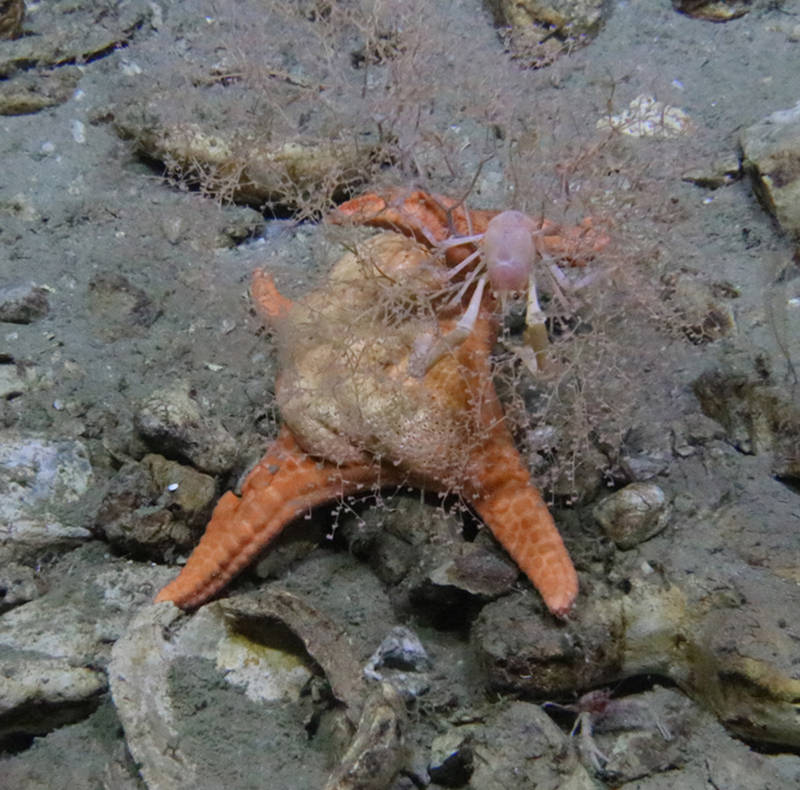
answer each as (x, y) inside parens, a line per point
(420, 552)
(15, 379)
(479, 572)
(454, 579)
(155, 507)
(584, 476)
(170, 421)
(402, 661)
(52, 676)
(90, 753)
(119, 308)
(138, 676)
(718, 173)
(646, 117)
(713, 10)
(693, 432)
(407, 526)
(518, 745)
(171, 674)
(523, 651)
(250, 168)
(29, 92)
(38, 477)
(633, 515)
(724, 646)
(539, 31)
(62, 32)
(190, 492)
(452, 759)
(290, 547)
(40, 694)
(786, 462)
(739, 672)
(377, 751)
(756, 416)
(12, 13)
(23, 304)
(239, 224)
(770, 151)
(703, 315)
(392, 558)
(17, 585)
(646, 452)
(322, 638)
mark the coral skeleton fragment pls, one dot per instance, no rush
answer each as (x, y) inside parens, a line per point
(386, 380)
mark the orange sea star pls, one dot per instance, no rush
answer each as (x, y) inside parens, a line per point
(357, 416)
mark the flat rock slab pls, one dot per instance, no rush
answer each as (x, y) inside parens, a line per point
(771, 150)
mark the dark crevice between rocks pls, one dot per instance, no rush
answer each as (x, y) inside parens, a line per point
(19, 730)
(74, 60)
(84, 58)
(277, 207)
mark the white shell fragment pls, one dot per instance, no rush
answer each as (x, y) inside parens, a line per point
(646, 117)
(78, 131)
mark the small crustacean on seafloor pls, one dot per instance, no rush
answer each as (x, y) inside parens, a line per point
(385, 379)
(600, 711)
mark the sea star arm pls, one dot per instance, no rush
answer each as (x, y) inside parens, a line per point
(284, 484)
(269, 302)
(512, 507)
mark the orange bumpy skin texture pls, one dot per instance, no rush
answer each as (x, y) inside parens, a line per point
(356, 417)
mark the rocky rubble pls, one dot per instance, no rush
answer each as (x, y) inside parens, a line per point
(390, 643)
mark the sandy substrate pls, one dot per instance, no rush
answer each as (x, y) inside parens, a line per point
(125, 294)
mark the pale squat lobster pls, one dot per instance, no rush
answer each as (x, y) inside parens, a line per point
(505, 257)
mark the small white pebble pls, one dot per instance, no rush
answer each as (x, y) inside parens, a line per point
(130, 69)
(172, 487)
(48, 147)
(58, 405)
(156, 16)
(172, 227)
(78, 131)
